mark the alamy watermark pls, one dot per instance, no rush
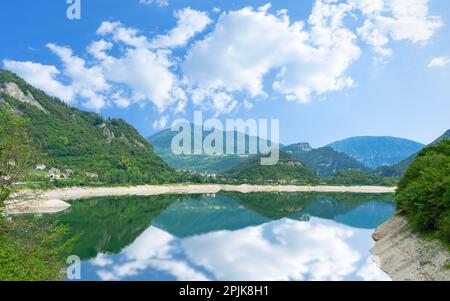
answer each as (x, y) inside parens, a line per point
(73, 271)
(242, 137)
(74, 10)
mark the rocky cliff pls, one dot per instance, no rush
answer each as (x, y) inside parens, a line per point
(405, 256)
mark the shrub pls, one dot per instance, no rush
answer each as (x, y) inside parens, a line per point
(423, 194)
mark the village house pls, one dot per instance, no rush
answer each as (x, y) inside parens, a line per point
(92, 175)
(41, 167)
(56, 174)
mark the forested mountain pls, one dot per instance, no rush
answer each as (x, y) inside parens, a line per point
(287, 170)
(444, 136)
(324, 161)
(377, 151)
(105, 150)
(400, 168)
(200, 163)
(112, 151)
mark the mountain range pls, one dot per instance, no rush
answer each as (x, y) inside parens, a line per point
(400, 168)
(377, 151)
(107, 150)
(200, 163)
(114, 152)
(288, 170)
(324, 161)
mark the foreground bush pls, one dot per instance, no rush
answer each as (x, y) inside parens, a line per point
(28, 250)
(33, 251)
(423, 193)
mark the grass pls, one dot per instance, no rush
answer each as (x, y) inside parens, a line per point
(447, 266)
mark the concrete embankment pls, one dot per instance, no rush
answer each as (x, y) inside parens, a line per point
(405, 256)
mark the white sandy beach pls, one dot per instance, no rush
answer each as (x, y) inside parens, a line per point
(55, 200)
(74, 193)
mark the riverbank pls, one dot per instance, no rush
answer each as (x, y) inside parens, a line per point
(55, 200)
(74, 193)
(405, 256)
(36, 207)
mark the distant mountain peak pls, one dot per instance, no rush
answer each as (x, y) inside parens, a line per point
(324, 161)
(400, 168)
(376, 151)
(298, 147)
(287, 170)
(444, 136)
(162, 142)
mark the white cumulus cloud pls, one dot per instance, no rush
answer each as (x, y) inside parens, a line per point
(190, 22)
(247, 44)
(160, 3)
(161, 123)
(396, 20)
(126, 35)
(439, 62)
(98, 49)
(248, 54)
(43, 77)
(146, 73)
(87, 82)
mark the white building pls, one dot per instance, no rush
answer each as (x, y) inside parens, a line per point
(41, 167)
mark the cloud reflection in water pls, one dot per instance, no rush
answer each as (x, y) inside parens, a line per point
(280, 250)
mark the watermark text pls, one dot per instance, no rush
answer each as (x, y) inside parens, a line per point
(237, 137)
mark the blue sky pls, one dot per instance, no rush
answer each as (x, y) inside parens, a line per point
(327, 69)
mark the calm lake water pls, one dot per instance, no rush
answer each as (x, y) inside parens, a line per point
(231, 236)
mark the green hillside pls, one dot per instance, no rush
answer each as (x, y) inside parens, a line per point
(110, 150)
(423, 193)
(199, 163)
(109, 224)
(400, 168)
(444, 136)
(377, 151)
(286, 171)
(324, 161)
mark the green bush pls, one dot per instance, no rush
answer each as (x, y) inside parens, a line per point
(423, 194)
(33, 251)
(357, 177)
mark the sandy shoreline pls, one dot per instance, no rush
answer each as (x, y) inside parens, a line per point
(74, 193)
(56, 200)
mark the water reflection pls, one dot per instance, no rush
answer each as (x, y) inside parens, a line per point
(279, 250)
(355, 210)
(269, 236)
(232, 236)
(189, 216)
(107, 225)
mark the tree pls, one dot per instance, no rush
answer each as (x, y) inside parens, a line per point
(29, 250)
(423, 193)
(16, 154)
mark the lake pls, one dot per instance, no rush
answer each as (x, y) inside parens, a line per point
(228, 236)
